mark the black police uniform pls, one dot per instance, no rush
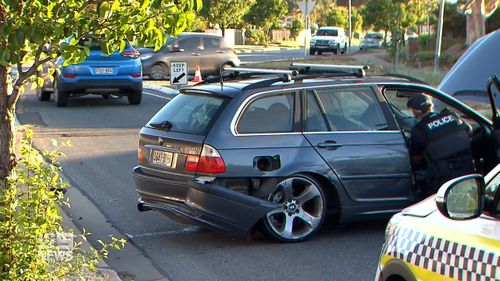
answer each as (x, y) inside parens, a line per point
(443, 141)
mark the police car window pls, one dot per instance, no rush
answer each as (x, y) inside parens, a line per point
(492, 188)
(351, 109)
(268, 114)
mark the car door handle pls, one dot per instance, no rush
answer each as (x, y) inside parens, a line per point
(329, 144)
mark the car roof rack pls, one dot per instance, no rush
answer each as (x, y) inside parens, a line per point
(306, 68)
(229, 73)
(285, 74)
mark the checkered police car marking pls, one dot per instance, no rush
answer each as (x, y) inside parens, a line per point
(447, 258)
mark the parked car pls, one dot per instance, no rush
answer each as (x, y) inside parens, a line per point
(460, 242)
(467, 77)
(286, 150)
(118, 74)
(328, 39)
(207, 51)
(372, 40)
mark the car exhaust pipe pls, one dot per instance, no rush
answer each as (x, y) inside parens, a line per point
(142, 207)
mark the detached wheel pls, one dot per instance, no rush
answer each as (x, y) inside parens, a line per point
(134, 97)
(158, 72)
(60, 96)
(301, 212)
(42, 95)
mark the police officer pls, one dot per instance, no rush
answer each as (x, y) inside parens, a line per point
(440, 146)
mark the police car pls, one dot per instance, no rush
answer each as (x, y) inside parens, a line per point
(460, 242)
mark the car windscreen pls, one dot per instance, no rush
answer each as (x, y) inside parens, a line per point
(189, 113)
(374, 36)
(328, 32)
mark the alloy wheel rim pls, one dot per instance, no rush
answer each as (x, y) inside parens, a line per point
(300, 209)
(157, 72)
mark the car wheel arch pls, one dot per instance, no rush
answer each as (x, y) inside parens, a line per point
(273, 227)
(396, 270)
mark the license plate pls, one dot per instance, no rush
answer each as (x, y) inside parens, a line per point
(104, 70)
(162, 158)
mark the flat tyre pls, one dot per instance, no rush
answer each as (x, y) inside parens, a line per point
(301, 212)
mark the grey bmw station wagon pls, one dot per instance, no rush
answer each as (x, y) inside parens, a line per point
(280, 150)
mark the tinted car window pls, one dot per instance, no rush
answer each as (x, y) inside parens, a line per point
(95, 44)
(352, 109)
(374, 36)
(314, 121)
(270, 114)
(189, 44)
(189, 113)
(211, 43)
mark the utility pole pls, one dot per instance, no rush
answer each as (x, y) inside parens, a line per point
(350, 26)
(439, 36)
(306, 22)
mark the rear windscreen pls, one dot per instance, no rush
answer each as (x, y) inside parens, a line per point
(95, 44)
(190, 113)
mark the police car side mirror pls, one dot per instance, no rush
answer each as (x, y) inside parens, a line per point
(461, 198)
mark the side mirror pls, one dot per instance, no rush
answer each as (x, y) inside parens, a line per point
(461, 198)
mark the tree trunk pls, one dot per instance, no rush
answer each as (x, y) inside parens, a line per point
(7, 132)
(475, 22)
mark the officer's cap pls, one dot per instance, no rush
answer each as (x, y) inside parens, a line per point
(420, 102)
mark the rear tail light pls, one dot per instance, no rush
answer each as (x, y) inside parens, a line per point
(69, 75)
(132, 54)
(136, 75)
(141, 154)
(209, 161)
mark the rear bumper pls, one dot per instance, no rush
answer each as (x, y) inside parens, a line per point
(117, 83)
(212, 206)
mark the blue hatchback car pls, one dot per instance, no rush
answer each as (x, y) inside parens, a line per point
(119, 74)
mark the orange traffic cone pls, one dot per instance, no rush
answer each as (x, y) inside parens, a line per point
(197, 75)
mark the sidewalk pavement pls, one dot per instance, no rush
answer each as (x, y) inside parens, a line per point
(246, 49)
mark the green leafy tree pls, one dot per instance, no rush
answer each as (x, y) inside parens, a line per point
(337, 17)
(225, 13)
(477, 11)
(376, 15)
(266, 13)
(30, 32)
(296, 27)
(319, 12)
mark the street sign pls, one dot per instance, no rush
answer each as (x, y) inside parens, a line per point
(178, 73)
(306, 6)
